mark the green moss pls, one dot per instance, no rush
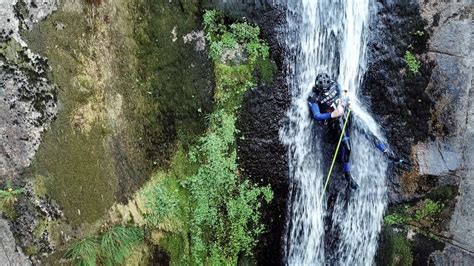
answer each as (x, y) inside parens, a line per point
(124, 96)
(444, 194)
(173, 73)
(400, 250)
(76, 168)
(177, 246)
(39, 188)
(265, 70)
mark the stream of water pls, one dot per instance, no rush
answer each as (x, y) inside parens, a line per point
(330, 36)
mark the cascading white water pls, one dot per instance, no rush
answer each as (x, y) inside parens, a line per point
(330, 36)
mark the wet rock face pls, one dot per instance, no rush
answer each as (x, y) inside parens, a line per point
(427, 116)
(262, 157)
(396, 96)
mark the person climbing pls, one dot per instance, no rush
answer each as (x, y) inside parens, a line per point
(327, 106)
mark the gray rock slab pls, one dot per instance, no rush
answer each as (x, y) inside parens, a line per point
(9, 254)
(452, 255)
(438, 158)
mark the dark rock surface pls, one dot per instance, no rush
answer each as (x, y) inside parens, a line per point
(398, 98)
(262, 157)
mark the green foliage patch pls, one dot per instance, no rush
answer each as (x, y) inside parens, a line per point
(161, 201)
(424, 210)
(412, 63)
(225, 213)
(226, 38)
(220, 207)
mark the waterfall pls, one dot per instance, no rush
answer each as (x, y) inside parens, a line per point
(330, 36)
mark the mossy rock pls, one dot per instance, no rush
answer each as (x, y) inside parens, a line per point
(394, 249)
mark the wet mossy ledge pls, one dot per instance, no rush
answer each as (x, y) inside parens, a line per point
(201, 209)
(414, 230)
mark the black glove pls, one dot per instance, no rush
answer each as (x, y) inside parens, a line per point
(392, 157)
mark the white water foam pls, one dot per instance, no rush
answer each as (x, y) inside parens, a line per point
(330, 36)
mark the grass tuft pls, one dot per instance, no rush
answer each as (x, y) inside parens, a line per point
(85, 252)
(111, 248)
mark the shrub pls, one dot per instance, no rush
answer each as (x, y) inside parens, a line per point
(412, 63)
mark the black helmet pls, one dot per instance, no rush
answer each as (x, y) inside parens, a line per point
(323, 80)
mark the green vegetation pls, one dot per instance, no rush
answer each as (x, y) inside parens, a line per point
(219, 207)
(412, 63)
(111, 248)
(395, 218)
(224, 205)
(84, 252)
(424, 210)
(400, 250)
(429, 208)
(8, 198)
(225, 213)
(200, 210)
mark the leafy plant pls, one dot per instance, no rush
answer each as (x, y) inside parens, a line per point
(395, 218)
(225, 214)
(429, 208)
(8, 198)
(412, 63)
(160, 201)
(414, 214)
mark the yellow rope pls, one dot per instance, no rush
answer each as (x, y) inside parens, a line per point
(335, 155)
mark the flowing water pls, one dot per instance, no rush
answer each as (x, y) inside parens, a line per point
(330, 36)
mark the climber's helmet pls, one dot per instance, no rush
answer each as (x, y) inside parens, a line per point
(322, 82)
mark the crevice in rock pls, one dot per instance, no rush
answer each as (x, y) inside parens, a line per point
(446, 53)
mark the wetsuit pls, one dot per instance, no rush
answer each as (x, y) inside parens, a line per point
(322, 103)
